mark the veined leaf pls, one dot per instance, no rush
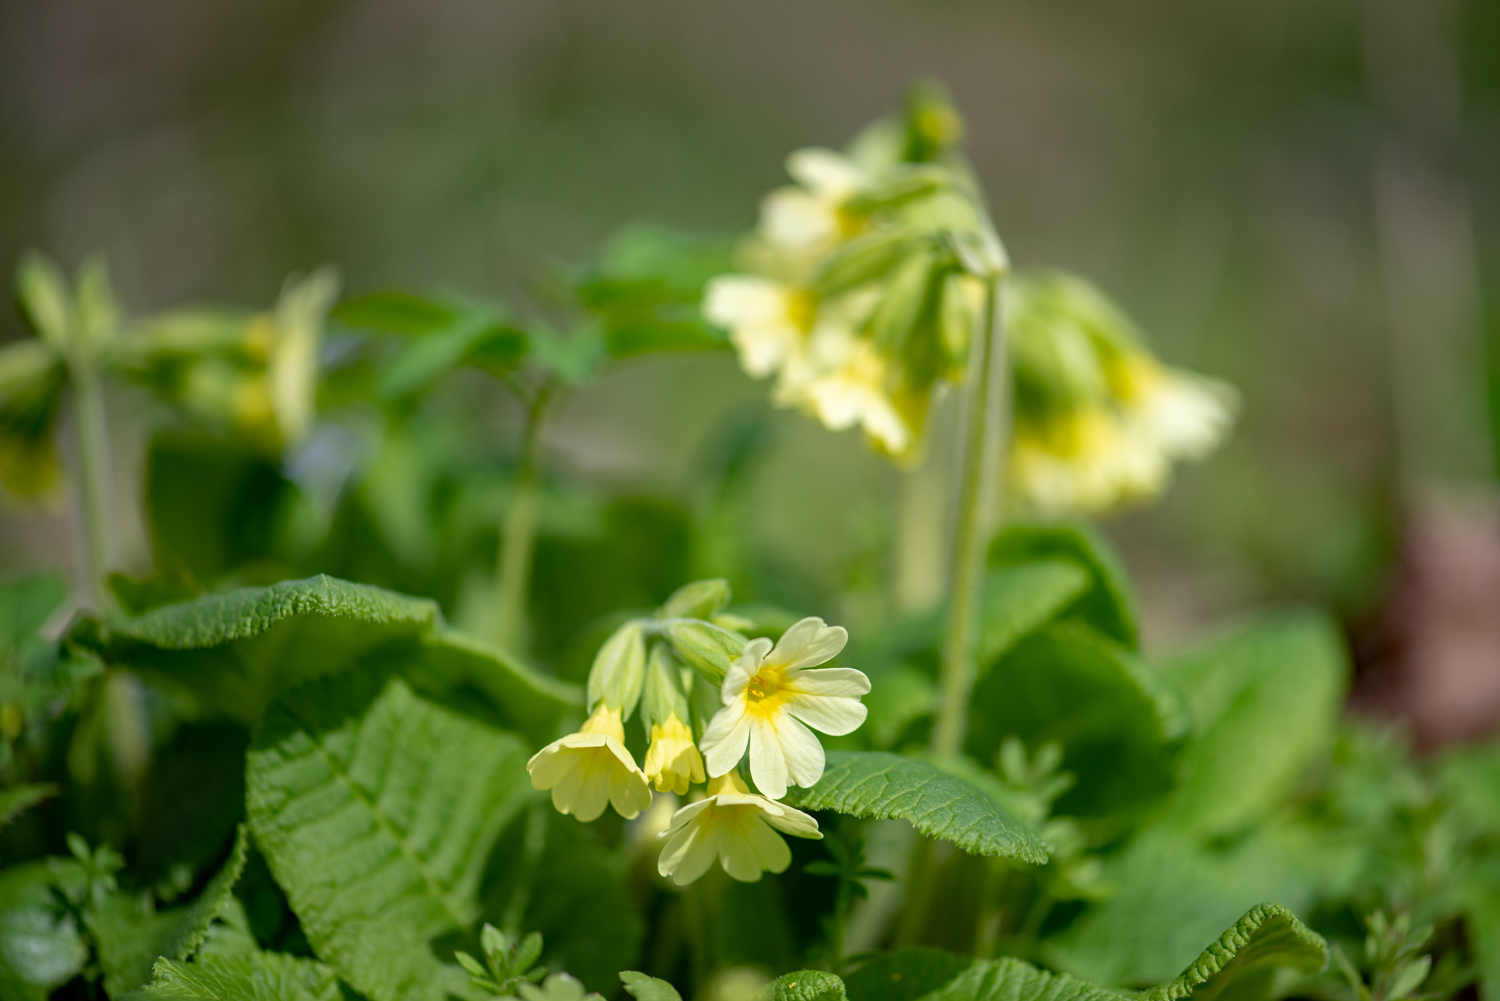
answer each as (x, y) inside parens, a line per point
(806, 985)
(130, 936)
(1116, 721)
(1018, 599)
(644, 988)
(1242, 963)
(40, 947)
(906, 975)
(531, 703)
(18, 799)
(1264, 702)
(254, 976)
(1109, 604)
(890, 786)
(1012, 980)
(236, 651)
(376, 811)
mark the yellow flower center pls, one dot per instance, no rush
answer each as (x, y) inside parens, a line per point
(802, 309)
(767, 690)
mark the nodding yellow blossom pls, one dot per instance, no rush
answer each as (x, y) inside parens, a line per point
(844, 383)
(590, 769)
(735, 826)
(766, 319)
(811, 216)
(768, 696)
(672, 761)
(1184, 414)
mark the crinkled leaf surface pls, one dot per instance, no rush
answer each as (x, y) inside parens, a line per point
(40, 946)
(376, 811)
(806, 985)
(1241, 964)
(1264, 703)
(530, 703)
(1108, 604)
(130, 936)
(906, 975)
(253, 976)
(1117, 722)
(1012, 980)
(236, 651)
(1022, 597)
(1172, 894)
(890, 786)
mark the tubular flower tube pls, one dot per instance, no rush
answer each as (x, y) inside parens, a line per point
(591, 768)
(768, 696)
(672, 761)
(735, 826)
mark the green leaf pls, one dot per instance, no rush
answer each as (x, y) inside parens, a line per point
(234, 652)
(1264, 702)
(644, 988)
(255, 976)
(393, 310)
(702, 599)
(1012, 980)
(478, 338)
(1242, 963)
(376, 811)
(557, 987)
(906, 975)
(18, 799)
(1021, 598)
(806, 985)
(130, 936)
(889, 786)
(1126, 941)
(1109, 605)
(450, 662)
(40, 946)
(45, 299)
(1114, 718)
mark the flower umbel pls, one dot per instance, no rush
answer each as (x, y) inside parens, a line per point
(672, 760)
(591, 768)
(735, 826)
(768, 696)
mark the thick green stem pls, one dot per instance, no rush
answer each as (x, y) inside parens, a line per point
(518, 534)
(983, 431)
(92, 499)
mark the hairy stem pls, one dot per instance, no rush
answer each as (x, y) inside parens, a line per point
(92, 506)
(984, 429)
(518, 533)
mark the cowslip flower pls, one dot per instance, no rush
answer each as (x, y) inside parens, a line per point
(672, 761)
(845, 385)
(767, 320)
(769, 695)
(590, 769)
(810, 216)
(1185, 414)
(735, 826)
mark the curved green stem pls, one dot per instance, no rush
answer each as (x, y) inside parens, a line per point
(518, 534)
(984, 429)
(92, 503)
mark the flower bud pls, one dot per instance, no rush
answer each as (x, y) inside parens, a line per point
(701, 599)
(619, 670)
(706, 647)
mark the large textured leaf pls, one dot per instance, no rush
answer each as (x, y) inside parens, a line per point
(890, 786)
(253, 976)
(1108, 605)
(40, 946)
(906, 975)
(130, 936)
(1172, 894)
(1241, 964)
(451, 663)
(807, 985)
(235, 651)
(1012, 980)
(1115, 719)
(376, 811)
(1263, 702)
(1020, 598)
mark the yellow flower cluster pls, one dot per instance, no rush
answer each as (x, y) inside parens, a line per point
(767, 703)
(864, 279)
(1099, 421)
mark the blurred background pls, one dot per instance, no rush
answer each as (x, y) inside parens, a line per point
(1301, 196)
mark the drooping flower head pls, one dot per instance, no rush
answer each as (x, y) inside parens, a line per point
(734, 826)
(770, 698)
(1099, 421)
(592, 768)
(672, 760)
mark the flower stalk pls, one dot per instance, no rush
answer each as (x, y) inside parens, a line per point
(92, 498)
(518, 533)
(982, 444)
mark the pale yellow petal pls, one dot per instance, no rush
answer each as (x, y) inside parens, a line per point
(725, 738)
(768, 765)
(809, 642)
